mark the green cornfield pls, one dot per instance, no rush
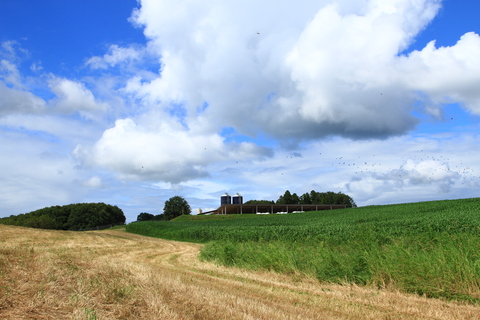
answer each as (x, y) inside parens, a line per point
(428, 248)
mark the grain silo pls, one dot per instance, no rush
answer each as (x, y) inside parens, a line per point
(225, 199)
(237, 199)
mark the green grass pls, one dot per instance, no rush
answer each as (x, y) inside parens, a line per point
(213, 217)
(428, 248)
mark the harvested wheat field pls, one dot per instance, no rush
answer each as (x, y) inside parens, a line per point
(117, 275)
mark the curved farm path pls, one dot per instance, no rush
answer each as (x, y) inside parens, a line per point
(116, 275)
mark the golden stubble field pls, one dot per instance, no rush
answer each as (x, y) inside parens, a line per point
(116, 275)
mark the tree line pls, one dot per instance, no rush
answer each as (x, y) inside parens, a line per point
(78, 216)
(174, 207)
(312, 197)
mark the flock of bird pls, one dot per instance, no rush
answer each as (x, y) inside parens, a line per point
(427, 167)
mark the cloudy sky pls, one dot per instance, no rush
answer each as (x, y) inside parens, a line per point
(130, 103)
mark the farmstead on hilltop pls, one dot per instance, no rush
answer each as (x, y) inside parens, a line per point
(234, 205)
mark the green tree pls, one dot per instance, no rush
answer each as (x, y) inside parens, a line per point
(305, 199)
(295, 199)
(41, 222)
(78, 216)
(314, 197)
(176, 206)
(259, 202)
(159, 217)
(286, 198)
(145, 216)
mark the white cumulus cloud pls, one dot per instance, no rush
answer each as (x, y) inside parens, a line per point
(165, 152)
(447, 74)
(115, 55)
(303, 71)
(73, 96)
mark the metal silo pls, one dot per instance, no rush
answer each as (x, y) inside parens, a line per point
(237, 199)
(225, 199)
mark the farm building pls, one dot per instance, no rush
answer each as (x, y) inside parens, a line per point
(234, 205)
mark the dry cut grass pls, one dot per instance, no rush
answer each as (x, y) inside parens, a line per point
(116, 275)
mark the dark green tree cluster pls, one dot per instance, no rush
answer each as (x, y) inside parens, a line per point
(176, 206)
(78, 216)
(145, 216)
(314, 197)
(260, 202)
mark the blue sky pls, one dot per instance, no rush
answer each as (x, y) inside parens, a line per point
(130, 103)
(454, 18)
(62, 34)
